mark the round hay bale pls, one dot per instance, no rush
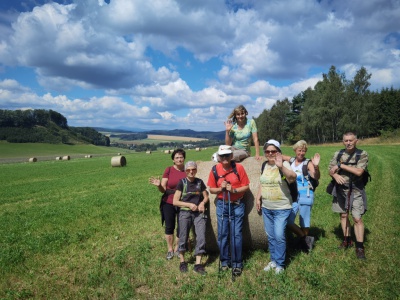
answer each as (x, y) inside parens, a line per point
(198, 149)
(148, 152)
(118, 161)
(166, 151)
(88, 156)
(33, 159)
(58, 158)
(254, 236)
(118, 153)
(66, 157)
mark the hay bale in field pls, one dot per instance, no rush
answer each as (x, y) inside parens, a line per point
(118, 161)
(88, 156)
(66, 157)
(198, 149)
(118, 153)
(58, 158)
(33, 159)
(166, 151)
(254, 236)
(148, 152)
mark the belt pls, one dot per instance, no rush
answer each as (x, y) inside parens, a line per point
(236, 202)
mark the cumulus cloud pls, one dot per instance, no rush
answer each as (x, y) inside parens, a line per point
(187, 63)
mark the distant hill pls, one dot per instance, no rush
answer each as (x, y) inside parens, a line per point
(211, 135)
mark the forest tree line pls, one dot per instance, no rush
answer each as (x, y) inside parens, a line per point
(334, 106)
(45, 126)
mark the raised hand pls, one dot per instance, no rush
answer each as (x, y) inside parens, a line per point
(155, 181)
(228, 124)
(316, 159)
(279, 160)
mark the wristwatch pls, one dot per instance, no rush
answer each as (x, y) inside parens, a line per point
(339, 164)
(234, 191)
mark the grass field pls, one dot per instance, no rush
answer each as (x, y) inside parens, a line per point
(81, 229)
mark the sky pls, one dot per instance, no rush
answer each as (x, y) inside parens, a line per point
(185, 64)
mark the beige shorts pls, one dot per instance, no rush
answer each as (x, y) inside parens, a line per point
(358, 200)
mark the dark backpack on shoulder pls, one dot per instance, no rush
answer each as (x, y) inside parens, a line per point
(366, 176)
(234, 170)
(314, 183)
(294, 192)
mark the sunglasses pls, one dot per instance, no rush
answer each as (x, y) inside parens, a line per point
(270, 151)
(224, 155)
(191, 170)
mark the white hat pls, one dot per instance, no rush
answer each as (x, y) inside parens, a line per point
(190, 164)
(274, 143)
(224, 149)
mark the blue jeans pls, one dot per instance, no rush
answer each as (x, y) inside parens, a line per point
(275, 224)
(233, 257)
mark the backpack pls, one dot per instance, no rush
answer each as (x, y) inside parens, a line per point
(234, 170)
(366, 176)
(294, 192)
(312, 182)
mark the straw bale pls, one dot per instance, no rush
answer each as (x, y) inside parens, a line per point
(33, 159)
(118, 161)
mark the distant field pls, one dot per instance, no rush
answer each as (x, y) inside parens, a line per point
(155, 139)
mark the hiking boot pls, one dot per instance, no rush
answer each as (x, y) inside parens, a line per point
(199, 269)
(170, 255)
(237, 272)
(309, 242)
(303, 246)
(360, 253)
(345, 244)
(271, 265)
(279, 270)
(183, 267)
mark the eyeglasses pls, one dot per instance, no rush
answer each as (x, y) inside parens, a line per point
(191, 170)
(224, 155)
(270, 151)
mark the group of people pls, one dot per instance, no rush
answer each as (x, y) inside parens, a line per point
(185, 196)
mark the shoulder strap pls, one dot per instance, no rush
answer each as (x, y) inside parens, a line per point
(292, 159)
(234, 170)
(358, 155)
(263, 166)
(184, 190)
(340, 155)
(305, 167)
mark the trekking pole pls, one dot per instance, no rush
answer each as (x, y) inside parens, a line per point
(231, 239)
(221, 230)
(348, 208)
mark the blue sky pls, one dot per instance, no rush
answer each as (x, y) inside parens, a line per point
(169, 64)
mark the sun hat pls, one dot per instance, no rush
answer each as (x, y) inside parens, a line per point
(190, 164)
(274, 143)
(224, 149)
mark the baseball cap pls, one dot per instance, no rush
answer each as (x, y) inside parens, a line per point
(274, 143)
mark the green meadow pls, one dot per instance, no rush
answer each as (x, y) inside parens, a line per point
(81, 229)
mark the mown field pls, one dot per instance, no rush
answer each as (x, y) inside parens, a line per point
(81, 229)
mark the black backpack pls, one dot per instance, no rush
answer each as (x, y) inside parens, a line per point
(314, 183)
(294, 192)
(366, 176)
(234, 170)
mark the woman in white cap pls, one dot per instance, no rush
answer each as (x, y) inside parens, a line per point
(229, 181)
(275, 201)
(239, 131)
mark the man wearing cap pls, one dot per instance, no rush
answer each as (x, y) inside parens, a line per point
(191, 196)
(229, 181)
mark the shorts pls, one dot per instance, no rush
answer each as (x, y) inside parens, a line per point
(358, 201)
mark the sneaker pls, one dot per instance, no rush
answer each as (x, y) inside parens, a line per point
(310, 242)
(170, 255)
(271, 265)
(345, 244)
(225, 268)
(199, 269)
(279, 270)
(360, 253)
(237, 272)
(183, 267)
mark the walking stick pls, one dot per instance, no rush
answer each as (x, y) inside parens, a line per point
(221, 230)
(232, 248)
(348, 207)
